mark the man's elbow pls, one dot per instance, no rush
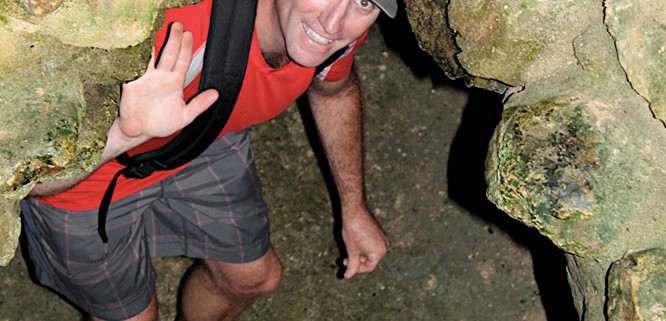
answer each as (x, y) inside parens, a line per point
(348, 85)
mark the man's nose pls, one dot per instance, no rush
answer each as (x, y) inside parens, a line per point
(333, 16)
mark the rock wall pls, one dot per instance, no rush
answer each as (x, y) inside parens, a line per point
(60, 69)
(579, 152)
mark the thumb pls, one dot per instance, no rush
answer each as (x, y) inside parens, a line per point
(352, 266)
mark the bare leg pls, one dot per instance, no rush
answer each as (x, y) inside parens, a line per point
(217, 291)
(149, 314)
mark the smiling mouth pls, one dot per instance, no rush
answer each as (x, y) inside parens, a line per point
(315, 36)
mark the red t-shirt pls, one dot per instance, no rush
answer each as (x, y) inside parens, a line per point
(266, 92)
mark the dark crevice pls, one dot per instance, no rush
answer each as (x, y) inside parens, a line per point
(467, 187)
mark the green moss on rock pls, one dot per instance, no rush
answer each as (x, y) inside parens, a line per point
(575, 170)
(550, 159)
(637, 287)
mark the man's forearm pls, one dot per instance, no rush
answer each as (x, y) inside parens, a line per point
(338, 114)
(337, 110)
(56, 187)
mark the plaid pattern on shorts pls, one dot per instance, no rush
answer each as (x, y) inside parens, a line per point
(213, 209)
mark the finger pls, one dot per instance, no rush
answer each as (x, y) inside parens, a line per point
(352, 267)
(151, 63)
(369, 264)
(185, 54)
(367, 267)
(171, 48)
(199, 104)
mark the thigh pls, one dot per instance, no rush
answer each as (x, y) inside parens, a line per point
(115, 280)
(214, 208)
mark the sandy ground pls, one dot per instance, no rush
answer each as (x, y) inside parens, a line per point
(453, 256)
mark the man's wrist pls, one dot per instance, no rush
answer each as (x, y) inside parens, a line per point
(117, 142)
(353, 208)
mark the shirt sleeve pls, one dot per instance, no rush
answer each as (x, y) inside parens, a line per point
(341, 67)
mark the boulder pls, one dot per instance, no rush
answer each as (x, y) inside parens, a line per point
(579, 151)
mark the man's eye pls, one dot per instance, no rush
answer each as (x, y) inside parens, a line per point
(365, 4)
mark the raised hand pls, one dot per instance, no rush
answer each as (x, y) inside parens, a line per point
(153, 105)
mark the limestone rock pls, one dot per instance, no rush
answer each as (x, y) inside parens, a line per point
(581, 172)
(439, 38)
(579, 152)
(60, 70)
(10, 229)
(89, 23)
(638, 30)
(588, 287)
(578, 148)
(40, 7)
(637, 287)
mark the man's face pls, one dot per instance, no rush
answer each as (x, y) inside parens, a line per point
(315, 29)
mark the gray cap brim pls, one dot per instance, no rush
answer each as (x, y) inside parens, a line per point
(390, 7)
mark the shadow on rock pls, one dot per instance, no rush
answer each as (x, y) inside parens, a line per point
(467, 186)
(398, 36)
(466, 166)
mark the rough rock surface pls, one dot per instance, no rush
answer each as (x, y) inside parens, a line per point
(587, 286)
(579, 152)
(577, 155)
(60, 68)
(640, 38)
(637, 284)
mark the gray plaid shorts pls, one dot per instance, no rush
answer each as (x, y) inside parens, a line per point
(213, 209)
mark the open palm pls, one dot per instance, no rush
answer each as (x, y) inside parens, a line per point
(153, 105)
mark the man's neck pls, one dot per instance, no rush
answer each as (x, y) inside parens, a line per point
(269, 34)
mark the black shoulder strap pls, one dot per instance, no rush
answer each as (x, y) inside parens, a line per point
(225, 59)
(331, 60)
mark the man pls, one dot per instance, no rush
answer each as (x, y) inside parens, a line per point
(212, 208)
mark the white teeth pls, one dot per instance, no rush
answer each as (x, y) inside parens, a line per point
(315, 36)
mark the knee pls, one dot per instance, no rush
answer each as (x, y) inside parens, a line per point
(268, 282)
(263, 283)
(251, 279)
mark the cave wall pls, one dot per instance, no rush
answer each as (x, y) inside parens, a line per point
(579, 151)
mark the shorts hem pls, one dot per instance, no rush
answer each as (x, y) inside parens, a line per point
(239, 255)
(127, 309)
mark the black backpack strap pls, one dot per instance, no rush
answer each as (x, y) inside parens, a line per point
(330, 60)
(225, 59)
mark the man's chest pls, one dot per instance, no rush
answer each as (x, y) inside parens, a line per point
(276, 60)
